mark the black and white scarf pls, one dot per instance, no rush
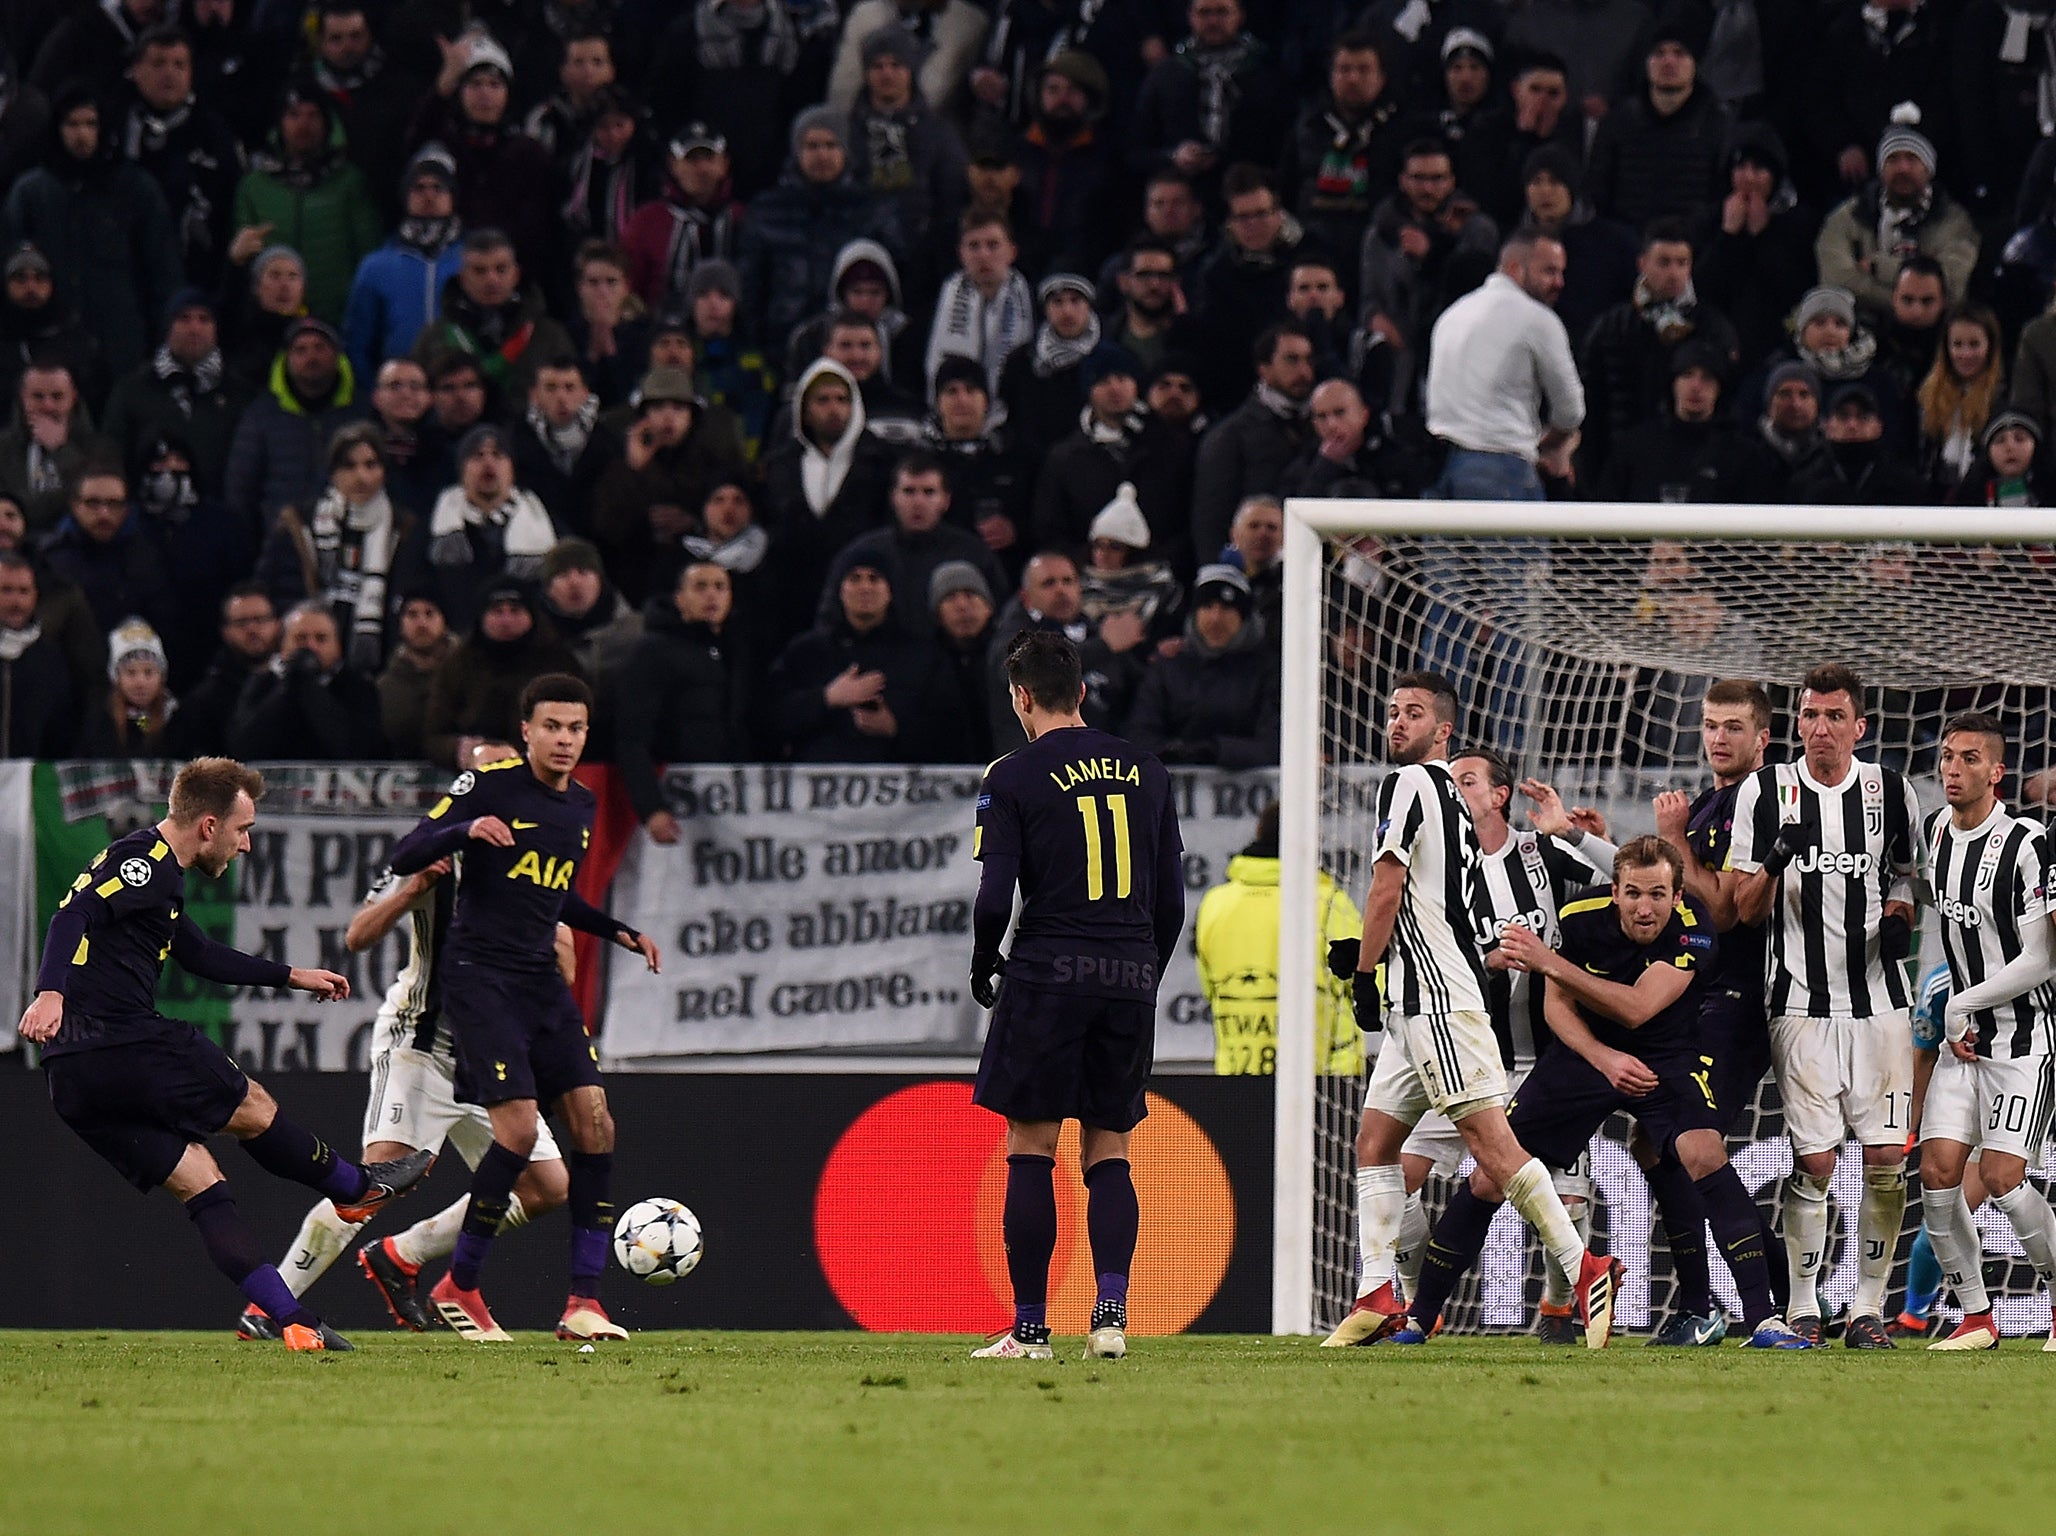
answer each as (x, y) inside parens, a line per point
(147, 131)
(1672, 319)
(1218, 92)
(763, 36)
(186, 384)
(564, 444)
(342, 84)
(520, 525)
(1053, 353)
(431, 237)
(1282, 405)
(353, 555)
(741, 554)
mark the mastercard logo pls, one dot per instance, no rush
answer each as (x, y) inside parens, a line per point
(907, 1219)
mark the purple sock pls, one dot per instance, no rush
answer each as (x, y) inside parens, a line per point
(592, 1219)
(1678, 1202)
(1112, 1217)
(1029, 1222)
(291, 1152)
(234, 1250)
(492, 1185)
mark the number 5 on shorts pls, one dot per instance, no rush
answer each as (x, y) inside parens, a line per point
(1095, 859)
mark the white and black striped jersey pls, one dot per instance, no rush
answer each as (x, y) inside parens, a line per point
(1989, 888)
(1528, 881)
(1433, 966)
(1863, 849)
(414, 998)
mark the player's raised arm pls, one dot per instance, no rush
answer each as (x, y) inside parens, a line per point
(1581, 831)
(390, 900)
(1673, 824)
(458, 817)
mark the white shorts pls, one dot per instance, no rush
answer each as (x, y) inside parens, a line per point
(1840, 1075)
(1448, 1064)
(414, 1102)
(1995, 1105)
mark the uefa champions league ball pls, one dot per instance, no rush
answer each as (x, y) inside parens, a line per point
(658, 1240)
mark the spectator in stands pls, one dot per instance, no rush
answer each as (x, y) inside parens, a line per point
(585, 70)
(100, 548)
(1860, 469)
(185, 146)
(1216, 700)
(685, 692)
(676, 451)
(960, 604)
(2008, 471)
(901, 148)
(1626, 357)
(1693, 451)
(1112, 651)
(1790, 423)
(195, 536)
(1248, 450)
(1428, 244)
(399, 406)
(458, 400)
(302, 182)
(34, 325)
(1256, 547)
(24, 118)
(490, 316)
(1754, 249)
(1827, 337)
(1897, 213)
(308, 703)
(587, 610)
(1543, 118)
(1473, 120)
(919, 541)
(735, 67)
(796, 229)
(953, 30)
(1962, 391)
(1151, 316)
(857, 687)
(370, 94)
(60, 609)
(1659, 153)
(1119, 577)
(1346, 145)
(92, 43)
(610, 329)
(47, 445)
(425, 643)
(281, 444)
(562, 450)
(274, 297)
(824, 485)
(1117, 442)
(889, 411)
(476, 695)
(1599, 253)
(1503, 393)
(1173, 213)
(1910, 333)
(343, 549)
(249, 639)
(730, 536)
(1040, 385)
(615, 167)
(1314, 297)
(991, 483)
(139, 707)
(1172, 394)
(1242, 286)
(486, 530)
(103, 226)
(183, 390)
(37, 713)
(398, 289)
(505, 180)
(1876, 69)
(992, 176)
(1219, 99)
(1355, 453)
(1419, 34)
(695, 218)
(731, 373)
(985, 310)
(1068, 169)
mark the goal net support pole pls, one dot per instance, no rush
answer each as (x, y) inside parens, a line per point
(1310, 527)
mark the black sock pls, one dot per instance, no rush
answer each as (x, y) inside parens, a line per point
(290, 1152)
(492, 1186)
(1780, 1273)
(1684, 1228)
(1738, 1228)
(1453, 1247)
(592, 1218)
(233, 1247)
(1112, 1217)
(1029, 1223)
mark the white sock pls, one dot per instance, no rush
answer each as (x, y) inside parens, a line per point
(1413, 1244)
(1877, 1230)
(1954, 1236)
(1380, 1207)
(1532, 1192)
(1806, 1239)
(2034, 1224)
(435, 1237)
(321, 1240)
(1556, 1285)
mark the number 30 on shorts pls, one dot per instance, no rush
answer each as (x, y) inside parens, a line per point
(2009, 1113)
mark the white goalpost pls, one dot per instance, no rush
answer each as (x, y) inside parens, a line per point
(1580, 638)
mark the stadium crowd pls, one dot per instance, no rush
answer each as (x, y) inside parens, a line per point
(771, 362)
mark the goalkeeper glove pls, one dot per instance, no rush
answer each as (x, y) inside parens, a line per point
(1363, 995)
(1342, 955)
(987, 966)
(1791, 841)
(1895, 937)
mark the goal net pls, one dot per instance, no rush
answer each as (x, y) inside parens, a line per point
(1581, 640)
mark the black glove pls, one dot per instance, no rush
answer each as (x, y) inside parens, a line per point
(1342, 955)
(1363, 993)
(1791, 841)
(987, 966)
(1895, 937)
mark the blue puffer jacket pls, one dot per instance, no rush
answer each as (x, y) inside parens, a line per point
(790, 241)
(280, 454)
(397, 290)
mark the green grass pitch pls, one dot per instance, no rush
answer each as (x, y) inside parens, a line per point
(167, 1434)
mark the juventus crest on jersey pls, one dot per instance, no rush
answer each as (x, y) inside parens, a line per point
(1989, 887)
(1862, 851)
(1433, 967)
(1528, 881)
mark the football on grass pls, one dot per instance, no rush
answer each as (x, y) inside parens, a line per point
(658, 1240)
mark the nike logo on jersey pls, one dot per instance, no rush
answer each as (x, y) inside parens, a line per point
(523, 826)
